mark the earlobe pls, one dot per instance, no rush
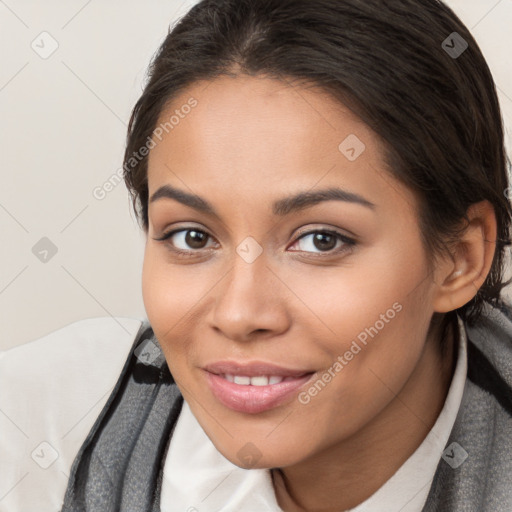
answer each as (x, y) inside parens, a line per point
(471, 260)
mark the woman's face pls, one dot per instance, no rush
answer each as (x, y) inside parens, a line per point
(278, 276)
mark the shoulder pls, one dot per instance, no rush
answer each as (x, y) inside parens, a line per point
(490, 353)
(474, 470)
(51, 392)
(88, 330)
(82, 355)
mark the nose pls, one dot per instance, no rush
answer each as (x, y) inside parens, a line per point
(251, 302)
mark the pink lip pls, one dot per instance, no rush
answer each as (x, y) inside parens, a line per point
(254, 399)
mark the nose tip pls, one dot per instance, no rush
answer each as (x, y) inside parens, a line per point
(248, 305)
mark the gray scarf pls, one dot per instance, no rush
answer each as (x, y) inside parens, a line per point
(120, 464)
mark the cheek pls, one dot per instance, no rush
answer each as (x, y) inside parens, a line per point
(173, 295)
(162, 298)
(375, 316)
(364, 372)
(367, 290)
(169, 291)
(153, 288)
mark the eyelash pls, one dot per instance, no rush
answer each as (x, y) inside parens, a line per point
(349, 243)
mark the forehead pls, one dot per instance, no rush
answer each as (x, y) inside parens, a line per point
(254, 134)
(239, 113)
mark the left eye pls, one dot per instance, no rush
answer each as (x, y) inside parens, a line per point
(322, 241)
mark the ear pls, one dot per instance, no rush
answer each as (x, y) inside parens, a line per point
(460, 278)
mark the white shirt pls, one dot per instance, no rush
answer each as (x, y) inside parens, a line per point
(197, 477)
(53, 389)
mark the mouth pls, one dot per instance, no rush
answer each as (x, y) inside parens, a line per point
(256, 387)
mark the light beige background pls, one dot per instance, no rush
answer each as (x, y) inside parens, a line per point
(62, 124)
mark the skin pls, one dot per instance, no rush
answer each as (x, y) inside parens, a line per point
(249, 142)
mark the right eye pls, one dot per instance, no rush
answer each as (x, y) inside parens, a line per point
(185, 240)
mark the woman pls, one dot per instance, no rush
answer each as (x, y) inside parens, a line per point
(322, 186)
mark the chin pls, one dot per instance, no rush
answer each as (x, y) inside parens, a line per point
(258, 455)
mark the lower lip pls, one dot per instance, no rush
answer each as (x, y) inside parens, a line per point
(253, 399)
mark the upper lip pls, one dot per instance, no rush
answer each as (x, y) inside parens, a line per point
(253, 369)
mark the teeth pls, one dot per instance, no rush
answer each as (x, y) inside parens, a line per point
(260, 380)
(242, 380)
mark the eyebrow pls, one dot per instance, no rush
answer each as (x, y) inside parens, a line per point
(281, 207)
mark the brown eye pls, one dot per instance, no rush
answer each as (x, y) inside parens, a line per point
(195, 239)
(321, 241)
(185, 240)
(324, 241)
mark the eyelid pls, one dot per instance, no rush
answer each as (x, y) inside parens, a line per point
(168, 234)
(324, 229)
